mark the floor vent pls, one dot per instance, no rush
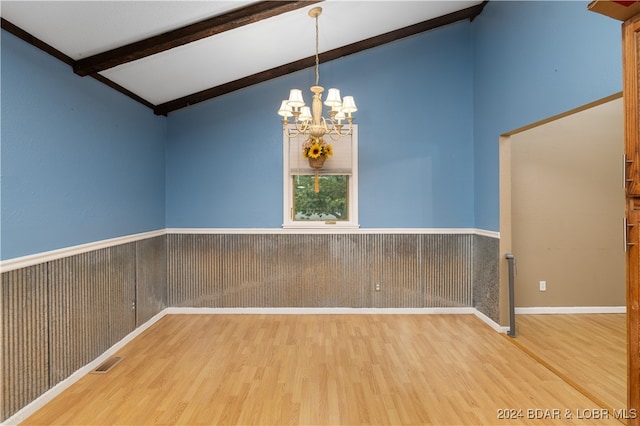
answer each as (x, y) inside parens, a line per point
(108, 365)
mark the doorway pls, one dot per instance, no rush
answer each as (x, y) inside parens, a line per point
(562, 210)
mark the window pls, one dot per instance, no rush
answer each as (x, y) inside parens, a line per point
(332, 203)
(336, 202)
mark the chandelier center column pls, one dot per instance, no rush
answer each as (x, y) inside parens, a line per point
(317, 129)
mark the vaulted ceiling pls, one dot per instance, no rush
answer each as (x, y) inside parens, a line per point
(171, 54)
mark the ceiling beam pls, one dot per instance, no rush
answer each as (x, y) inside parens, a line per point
(47, 48)
(469, 13)
(218, 24)
(34, 41)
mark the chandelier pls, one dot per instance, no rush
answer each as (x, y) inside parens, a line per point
(310, 121)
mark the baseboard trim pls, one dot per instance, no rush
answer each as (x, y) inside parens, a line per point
(339, 311)
(318, 311)
(540, 310)
(49, 395)
(60, 387)
(491, 323)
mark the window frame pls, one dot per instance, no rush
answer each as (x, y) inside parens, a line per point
(289, 190)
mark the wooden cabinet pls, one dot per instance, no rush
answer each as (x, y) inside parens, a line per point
(631, 72)
(629, 13)
(631, 87)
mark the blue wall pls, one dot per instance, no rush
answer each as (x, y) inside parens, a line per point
(79, 161)
(533, 60)
(224, 156)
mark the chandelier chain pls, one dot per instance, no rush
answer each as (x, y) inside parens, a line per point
(317, 58)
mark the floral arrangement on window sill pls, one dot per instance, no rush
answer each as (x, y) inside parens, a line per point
(316, 150)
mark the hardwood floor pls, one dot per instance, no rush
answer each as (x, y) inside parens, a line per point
(589, 350)
(322, 369)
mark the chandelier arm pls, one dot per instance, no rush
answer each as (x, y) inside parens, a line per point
(324, 125)
(291, 134)
(299, 129)
(342, 134)
(336, 129)
(349, 130)
(333, 132)
(331, 135)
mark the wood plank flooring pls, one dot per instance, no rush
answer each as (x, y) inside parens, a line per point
(322, 370)
(589, 349)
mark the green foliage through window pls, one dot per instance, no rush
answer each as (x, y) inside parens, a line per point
(328, 204)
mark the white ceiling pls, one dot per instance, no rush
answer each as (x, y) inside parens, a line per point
(80, 29)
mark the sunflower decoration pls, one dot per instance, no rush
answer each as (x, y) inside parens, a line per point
(315, 151)
(316, 147)
(329, 149)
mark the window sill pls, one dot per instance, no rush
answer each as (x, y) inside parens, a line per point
(321, 226)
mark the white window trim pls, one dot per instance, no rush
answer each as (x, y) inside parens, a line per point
(289, 223)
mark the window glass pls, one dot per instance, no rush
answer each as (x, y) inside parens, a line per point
(331, 202)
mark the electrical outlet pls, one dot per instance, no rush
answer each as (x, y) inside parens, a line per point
(377, 286)
(543, 286)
